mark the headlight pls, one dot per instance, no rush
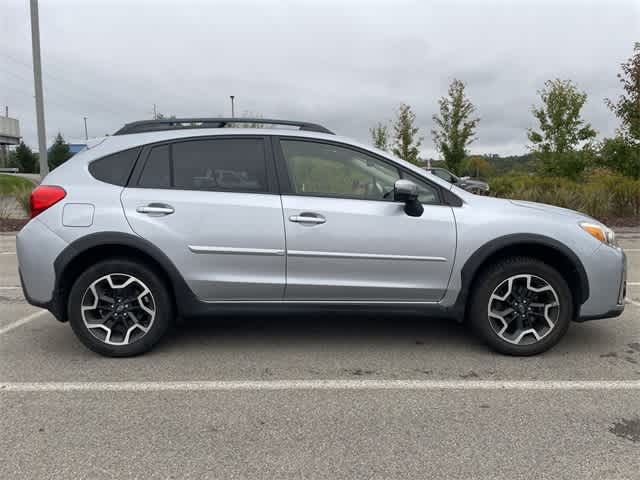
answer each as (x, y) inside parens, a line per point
(602, 233)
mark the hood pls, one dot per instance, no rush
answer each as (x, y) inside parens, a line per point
(543, 207)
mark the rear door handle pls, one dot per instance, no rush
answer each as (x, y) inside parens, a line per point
(308, 218)
(156, 209)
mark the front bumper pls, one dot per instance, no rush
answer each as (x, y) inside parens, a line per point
(607, 274)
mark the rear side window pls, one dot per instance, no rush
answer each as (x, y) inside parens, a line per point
(115, 169)
(226, 164)
(156, 172)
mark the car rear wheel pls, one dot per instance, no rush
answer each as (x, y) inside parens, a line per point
(119, 308)
(521, 306)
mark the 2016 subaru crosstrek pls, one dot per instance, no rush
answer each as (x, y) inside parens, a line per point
(182, 218)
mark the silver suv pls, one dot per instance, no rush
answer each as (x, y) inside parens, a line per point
(185, 217)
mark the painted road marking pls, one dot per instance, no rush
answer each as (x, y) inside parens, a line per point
(276, 385)
(22, 321)
(7, 253)
(632, 302)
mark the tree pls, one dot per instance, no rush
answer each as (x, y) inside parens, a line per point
(627, 107)
(562, 142)
(454, 126)
(477, 166)
(24, 159)
(380, 135)
(621, 155)
(59, 152)
(405, 143)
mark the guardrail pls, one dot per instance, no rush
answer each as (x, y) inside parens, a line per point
(9, 170)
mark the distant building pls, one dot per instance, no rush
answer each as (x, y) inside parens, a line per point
(76, 147)
(9, 135)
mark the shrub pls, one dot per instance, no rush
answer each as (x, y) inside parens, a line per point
(603, 195)
(22, 194)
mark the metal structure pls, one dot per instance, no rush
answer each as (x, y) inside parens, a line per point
(9, 135)
(184, 123)
(37, 80)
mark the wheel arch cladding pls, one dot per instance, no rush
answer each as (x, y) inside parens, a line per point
(89, 250)
(546, 249)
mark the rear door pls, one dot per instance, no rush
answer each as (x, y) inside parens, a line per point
(211, 205)
(347, 240)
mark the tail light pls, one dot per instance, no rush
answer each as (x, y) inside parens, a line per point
(44, 197)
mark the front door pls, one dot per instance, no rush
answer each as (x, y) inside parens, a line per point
(212, 207)
(348, 241)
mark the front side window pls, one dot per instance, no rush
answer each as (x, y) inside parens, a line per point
(444, 175)
(228, 164)
(330, 170)
(427, 194)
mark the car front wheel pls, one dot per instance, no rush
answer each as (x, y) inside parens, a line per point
(521, 306)
(119, 308)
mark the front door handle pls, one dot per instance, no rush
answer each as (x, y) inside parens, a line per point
(156, 209)
(308, 218)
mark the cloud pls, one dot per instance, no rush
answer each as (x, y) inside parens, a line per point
(347, 65)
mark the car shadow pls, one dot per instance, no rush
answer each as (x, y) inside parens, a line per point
(325, 329)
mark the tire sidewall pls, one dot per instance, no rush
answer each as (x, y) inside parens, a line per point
(160, 294)
(488, 283)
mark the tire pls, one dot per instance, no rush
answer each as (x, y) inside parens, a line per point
(120, 337)
(527, 275)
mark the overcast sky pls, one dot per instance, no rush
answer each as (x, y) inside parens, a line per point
(345, 64)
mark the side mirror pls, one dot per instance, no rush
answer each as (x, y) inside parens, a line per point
(407, 192)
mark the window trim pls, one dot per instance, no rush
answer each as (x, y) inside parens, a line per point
(287, 189)
(271, 187)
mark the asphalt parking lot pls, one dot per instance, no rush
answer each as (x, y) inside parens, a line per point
(318, 397)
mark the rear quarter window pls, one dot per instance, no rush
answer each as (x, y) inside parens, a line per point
(115, 169)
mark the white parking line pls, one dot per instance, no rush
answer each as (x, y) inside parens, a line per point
(9, 288)
(22, 321)
(633, 284)
(7, 253)
(275, 385)
(632, 302)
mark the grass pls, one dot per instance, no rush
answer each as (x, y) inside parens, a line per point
(13, 187)
(10, 183)
(602, 195)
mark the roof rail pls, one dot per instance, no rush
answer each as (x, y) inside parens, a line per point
(184, 123)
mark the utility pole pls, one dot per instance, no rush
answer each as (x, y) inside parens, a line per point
(37, 80)
(86, 132)
(233, 113)
(155, 113)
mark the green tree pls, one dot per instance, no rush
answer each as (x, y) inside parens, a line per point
(406, 144)
(477, 166)
(562, 143)
(24, 159)
(380, 136)
(58, 153)
(621, 155)
(627, 107)
(455, 126)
